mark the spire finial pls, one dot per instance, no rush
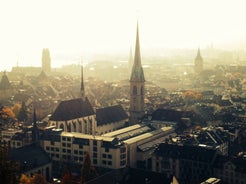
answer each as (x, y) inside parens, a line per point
(137, 58)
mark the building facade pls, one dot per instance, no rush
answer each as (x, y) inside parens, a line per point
(67, 147)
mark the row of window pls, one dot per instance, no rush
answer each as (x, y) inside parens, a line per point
(109, 156)
(66, 139)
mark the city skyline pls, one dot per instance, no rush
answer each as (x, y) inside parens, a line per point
(82, 28)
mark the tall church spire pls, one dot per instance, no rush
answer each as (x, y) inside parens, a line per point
(137, 58)
(137, 86)
(198, 67)
(137, 70)
(82, 87)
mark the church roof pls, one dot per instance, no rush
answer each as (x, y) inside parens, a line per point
(72, 109)
(30, 156)
(110, 114)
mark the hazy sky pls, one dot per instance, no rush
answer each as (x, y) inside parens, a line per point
(75, 28)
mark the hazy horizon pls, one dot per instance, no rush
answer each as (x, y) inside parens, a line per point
(79, 28)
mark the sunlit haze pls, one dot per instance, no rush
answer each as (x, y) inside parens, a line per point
(75, 29)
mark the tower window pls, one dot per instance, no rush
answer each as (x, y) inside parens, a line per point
(134, 91)
(142, 90)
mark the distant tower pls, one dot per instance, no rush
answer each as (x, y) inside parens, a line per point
(82, 87)
(198, 62)
(46, 64)
(137, 86)
(5, 84)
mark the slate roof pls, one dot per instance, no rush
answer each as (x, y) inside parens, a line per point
(110, 114)
(131, 176)
(30, 156)
(186, 152)
(167, 114)
(72, 109)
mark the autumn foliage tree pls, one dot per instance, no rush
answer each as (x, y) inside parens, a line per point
(190, 96)
(36, 179)
(67, 178)
(16, 109)
(6, 114)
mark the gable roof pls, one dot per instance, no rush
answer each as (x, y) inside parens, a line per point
(110, 114)
(30, 156)
(72, 109)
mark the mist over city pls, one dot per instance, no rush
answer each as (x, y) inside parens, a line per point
(129, 92)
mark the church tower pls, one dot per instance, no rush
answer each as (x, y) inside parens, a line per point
(198, 62)
(137, 86)
(46, 65)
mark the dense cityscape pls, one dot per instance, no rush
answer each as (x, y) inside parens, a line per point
(124, 122)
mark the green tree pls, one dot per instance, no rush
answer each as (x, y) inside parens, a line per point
(22, 115)
(88, 172)
(9, 170)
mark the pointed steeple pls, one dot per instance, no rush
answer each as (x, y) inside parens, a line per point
(198, 67)
(137, 70)
(82, 87)
(137, 58)
(35, 128)
(198, 56)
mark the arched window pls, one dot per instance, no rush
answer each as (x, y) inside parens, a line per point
(69, 127)
(134, 91)
(74, 126)
(62, 126)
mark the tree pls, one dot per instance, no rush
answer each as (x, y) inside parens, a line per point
(189, 96)
(9, 170)
(16, 109)
(38, 179)
(22, 115)
(25, 179)
(6, 114)
(67, 178)
(88, 172)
